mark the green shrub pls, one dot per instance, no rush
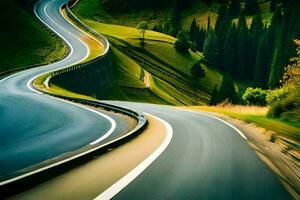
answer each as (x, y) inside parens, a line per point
(255, 96)
(287, 109)
(276, 95)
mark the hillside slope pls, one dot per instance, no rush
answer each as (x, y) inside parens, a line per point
(154, 73)
(24, 41)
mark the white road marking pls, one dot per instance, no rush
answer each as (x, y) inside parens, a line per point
(113, 123)
(7, 77)
(128, 178)
(228, 124)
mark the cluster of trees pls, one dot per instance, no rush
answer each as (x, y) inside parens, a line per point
(284, 101)
(255, 54)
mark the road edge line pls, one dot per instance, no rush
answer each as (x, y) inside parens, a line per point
(133, 174)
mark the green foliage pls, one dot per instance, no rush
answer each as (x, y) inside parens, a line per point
(24, 41)
(229, 55)
(285, 27)
(135, 5)
(197, 36)
(182, 44)
(277, 95)
(214, 96)
(197, 71)
(251, 7)
(255, 96)
(273, 5)
(288, 109)
(143, 26)
(234, 8)
(211, 48)
(227, 90)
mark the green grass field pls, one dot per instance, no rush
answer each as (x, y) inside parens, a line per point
(24, 41)
(171, 78)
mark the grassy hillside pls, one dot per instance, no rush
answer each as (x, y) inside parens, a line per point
(24, 41)
(155, 69)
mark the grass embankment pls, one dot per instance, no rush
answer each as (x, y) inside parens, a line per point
(257, 115)
(160, 74)
(24, 41)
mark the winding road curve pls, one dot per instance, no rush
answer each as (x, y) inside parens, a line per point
(205, 159)
(36, 127)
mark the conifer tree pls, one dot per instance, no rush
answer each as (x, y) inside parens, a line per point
(255, 33)
(273, 5)
(210, 48)
(251, 7)
(229, 51)
(234, 8)
(221, 29)
(193, 31)
(242, 37)
(227, 90)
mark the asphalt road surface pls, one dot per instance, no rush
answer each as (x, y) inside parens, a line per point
(35, 127)
(206, 160)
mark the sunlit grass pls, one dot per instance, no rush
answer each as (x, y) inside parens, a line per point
(256, 115)
(236, 110)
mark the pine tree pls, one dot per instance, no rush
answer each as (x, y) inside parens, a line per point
(221, 29)
(182, 43)
(229, 55)
(251, 7)
(227, 90)
(239, 71)
(193, 31)
(255, 33)
(283, 46)
(200, 38)
(210, 48)
(208, 28)
(234, 8)
(262, 64)
(222, 24)
(214, 96)
(273, 5)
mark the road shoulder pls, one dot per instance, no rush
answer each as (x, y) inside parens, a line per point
(94, 177)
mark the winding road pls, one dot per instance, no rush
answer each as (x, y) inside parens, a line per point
(36, 127)
(205, 159)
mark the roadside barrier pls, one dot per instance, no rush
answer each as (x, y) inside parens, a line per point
(64, 163)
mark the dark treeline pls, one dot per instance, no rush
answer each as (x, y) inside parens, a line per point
(171, 26)
(257, 53)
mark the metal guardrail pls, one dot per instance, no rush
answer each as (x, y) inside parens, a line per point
(97, 35)
(17, 185)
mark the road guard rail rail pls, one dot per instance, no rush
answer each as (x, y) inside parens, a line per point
(60, 165)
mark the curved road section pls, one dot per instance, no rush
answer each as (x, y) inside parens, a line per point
(36, 127)
(206, 159)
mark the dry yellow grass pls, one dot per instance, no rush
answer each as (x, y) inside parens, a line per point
(235, 109)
